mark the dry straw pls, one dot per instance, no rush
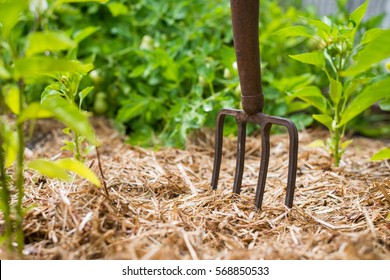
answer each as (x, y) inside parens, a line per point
(160, 205)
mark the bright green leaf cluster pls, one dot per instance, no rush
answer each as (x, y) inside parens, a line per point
(345, 62)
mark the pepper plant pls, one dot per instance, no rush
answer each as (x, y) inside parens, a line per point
(348, 61)
(26, 59)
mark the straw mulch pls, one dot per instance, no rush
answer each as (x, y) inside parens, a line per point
(160, 205)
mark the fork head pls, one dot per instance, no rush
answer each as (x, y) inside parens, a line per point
(265, 122)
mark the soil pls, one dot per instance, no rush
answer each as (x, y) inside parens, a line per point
(160, 205)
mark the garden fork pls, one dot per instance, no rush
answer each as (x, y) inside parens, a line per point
(245, 19)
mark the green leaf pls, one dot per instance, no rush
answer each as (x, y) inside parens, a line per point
(319, 24)
(313, 96)
(371, 34)
(48, 66)
(4, 73)
(34, 111)
(80, 35)
(133, 107)
(358, 15)
(295, 106)
(369, 96)
(10, 145)
(49, 169)
(314, 58)
(40, 42)
(317, 143)
(325, 120)
(117, 8)
(293, 31)
(79, 168)
(11, 98)
(385, 104)
(335, 91)
(70, 115)
(80, 1)
(382, 154)
(353, 85)
(345, 144)
(82, 94)
(10, 11)
(374, 52)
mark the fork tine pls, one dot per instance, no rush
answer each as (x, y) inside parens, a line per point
(218, 150)
(293, 161)
(240, 156)
(265, 150)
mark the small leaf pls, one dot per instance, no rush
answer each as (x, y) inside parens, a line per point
(34, 111)
(70, 115)
(39, 42)
(4, 73)
(10, 11)
(325, 120)
(49, 169)
(79, 168)
(81, 1)
(357, 15)
(117, 9)
(374, 52)
(314, 58)
(10, 145)
(371, 34)
(317, 143)
(295, 106)
(313, 96)
(335, 91)
(346, 144)
(48, 66)
(319, 24)
(293, 31)
(385, 104)
(11, 98)
(369, 96)
(80, 35)
(383, 154)
(82, 94)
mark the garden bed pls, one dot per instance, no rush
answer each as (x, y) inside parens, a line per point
(160, 205)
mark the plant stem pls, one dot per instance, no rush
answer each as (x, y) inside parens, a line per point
(19, 176)
(77, 146)
(5, 196)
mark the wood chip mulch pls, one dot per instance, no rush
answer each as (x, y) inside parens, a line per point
(160, 205)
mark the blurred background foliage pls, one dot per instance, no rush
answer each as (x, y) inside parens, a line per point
(165, 68)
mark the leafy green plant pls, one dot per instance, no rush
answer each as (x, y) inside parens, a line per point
(163, 71)
(354, 85)
(27, 59)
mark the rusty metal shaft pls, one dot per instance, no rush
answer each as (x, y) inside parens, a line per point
(245, 17)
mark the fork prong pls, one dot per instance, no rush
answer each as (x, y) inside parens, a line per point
(240, 156)
(265, 150)
(293, 162)
(218, 150)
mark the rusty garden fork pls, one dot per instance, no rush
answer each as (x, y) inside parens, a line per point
(245, 18)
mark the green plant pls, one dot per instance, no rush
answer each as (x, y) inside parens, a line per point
(30, 57)
(163, 71)
(347, 61)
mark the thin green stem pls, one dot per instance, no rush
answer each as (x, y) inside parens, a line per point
(19, 176)
(77, 146)
(5, 195)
